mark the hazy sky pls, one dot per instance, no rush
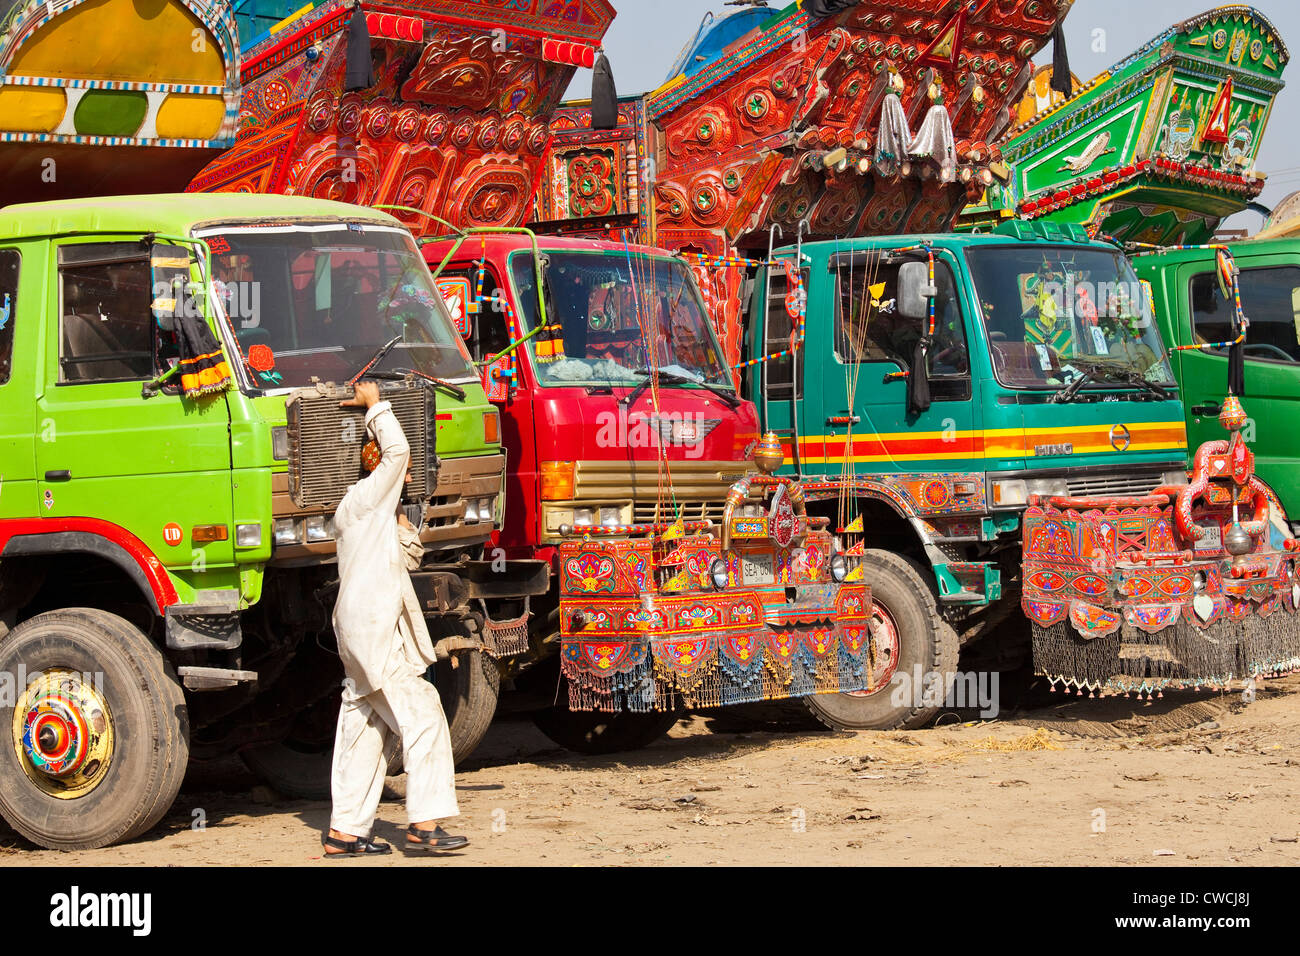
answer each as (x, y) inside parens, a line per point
(647, 35)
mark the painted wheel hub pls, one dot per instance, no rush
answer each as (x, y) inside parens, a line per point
(63, 733)
(884, 650)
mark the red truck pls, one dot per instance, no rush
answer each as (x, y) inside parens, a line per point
(588, 440)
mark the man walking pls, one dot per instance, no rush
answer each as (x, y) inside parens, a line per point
(385, 648)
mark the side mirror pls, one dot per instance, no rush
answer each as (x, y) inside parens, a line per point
(169, 268)
(914, 289)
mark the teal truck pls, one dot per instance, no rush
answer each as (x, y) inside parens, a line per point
(167, 569)
(1191, 310)
(1045, 375)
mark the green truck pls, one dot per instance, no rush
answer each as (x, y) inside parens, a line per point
(1192, 310)
(167, 567)
(1045, 376)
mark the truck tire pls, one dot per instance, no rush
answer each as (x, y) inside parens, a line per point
(299, 766)
(469, 695)
(102, 761)
(597, 732)
(905, 604)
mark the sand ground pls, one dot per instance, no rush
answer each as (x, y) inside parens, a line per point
(1185, 779)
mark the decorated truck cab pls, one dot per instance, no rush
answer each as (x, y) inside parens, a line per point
(617, 411)
(692, 614)
(935, 383)
(173, 450)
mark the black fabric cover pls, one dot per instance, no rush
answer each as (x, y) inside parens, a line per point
(827, 8)
(360, 73)
(918, 379)
(604, 97)
(1236, 371)
(1060, 62)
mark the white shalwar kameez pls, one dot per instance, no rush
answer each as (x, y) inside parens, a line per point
(385, 647)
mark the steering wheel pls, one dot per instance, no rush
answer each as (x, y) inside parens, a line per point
(1272, 351)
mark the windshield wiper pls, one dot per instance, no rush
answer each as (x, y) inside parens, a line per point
(455, 389)
(1129, 376)
(376, 358)
(1068, 392)
(1108, 373)
(672, 378)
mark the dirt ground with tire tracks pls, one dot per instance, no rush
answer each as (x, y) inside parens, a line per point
(1207, 780)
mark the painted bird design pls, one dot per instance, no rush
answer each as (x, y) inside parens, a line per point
(1095, 149)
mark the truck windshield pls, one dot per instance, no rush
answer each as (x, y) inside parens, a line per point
(614, 315)
(324, 298)
(1056, 314)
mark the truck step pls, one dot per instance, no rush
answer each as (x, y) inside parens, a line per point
(213, 678)
(211, 623)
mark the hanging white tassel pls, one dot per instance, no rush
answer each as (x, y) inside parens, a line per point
(934, 140)
(894, 136)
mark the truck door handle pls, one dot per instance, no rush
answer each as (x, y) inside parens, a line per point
(62, 475)
(844, 420)
(1209, 408)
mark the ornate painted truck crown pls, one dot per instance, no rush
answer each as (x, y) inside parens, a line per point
(1157, 593)
(696, 615)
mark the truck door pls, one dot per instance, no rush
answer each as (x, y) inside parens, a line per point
(872, 340)
(1270, 295)
(776, 384)
(487, 333)
(18, 338)
(158, 467)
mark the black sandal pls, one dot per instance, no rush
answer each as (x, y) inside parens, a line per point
(357, 847)
(436, 840)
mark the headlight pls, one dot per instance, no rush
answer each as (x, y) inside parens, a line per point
(485, 508)
(1174, 478)
(248, 535)
(610, 517)
(839, 568)
(1048, 486)
(718, 573)
(1011, 491)
(583, 516)
(318, 529)
(557, 518)
(280, 443)
(287, 531)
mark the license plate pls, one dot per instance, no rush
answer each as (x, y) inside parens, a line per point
(756, 569)
(1213, 539)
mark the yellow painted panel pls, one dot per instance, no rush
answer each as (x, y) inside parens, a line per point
(29, 109)
(135, 40)
(190, 116)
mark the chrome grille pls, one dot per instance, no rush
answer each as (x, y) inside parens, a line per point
(1092, 486)
(646, 512)
(325, 442)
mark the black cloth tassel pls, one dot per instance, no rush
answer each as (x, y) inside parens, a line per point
(1236, 371)
(826, 8)
(360, 73)
(1060, 62)
(918, 380)
(604, 97)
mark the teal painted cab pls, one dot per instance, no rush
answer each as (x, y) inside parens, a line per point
(1045, 374)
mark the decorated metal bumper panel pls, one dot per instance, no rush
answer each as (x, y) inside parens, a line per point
(1192, 586)
(698, 620)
